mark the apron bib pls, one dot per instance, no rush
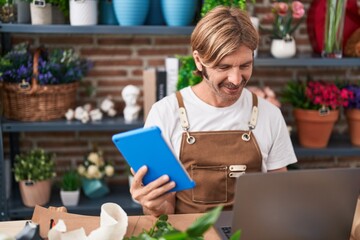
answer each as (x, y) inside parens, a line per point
(214, 159)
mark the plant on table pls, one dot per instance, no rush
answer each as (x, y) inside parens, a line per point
(93, 171)
(315, 95)
(34, 171)
(95, 167)
(286, 17)
(162, 229)
(70, 181)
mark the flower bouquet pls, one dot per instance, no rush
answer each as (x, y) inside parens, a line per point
(284, 14)
(40, 85)
(316, 109)
(93, 170)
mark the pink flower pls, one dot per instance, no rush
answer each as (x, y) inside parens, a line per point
(281, 8)
(297, 9)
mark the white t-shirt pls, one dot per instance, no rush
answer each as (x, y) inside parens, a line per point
(271, 131)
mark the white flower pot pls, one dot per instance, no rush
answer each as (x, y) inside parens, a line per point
(41, 14)
(281, 48)
(83, 12)
(70, 198)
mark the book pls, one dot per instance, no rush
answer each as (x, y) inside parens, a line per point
(146, 146)
(154, 85)
(172, 71)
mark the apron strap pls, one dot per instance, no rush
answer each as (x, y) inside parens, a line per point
(184, 119)
(182, 112)
(254, 112)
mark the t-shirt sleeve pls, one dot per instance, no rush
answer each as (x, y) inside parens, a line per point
(282, 152)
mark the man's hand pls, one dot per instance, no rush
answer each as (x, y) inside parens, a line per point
(154, 197)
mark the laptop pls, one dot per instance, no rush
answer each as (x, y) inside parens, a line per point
(299, 204)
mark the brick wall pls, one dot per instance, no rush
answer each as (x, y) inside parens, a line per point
(119, 61)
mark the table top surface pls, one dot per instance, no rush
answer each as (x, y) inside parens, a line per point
(137, 224)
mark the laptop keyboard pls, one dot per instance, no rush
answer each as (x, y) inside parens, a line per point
(226, 231)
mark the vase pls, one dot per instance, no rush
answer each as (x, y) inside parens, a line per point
(58, 16)
(283, 48)
(94, 188)
(313, 128)
(131, 13)
(70, 198)
(179, 13)
(353, 120)
(333, 30)
(23, 11)
(83, 12)
(35, 193)
(155, 15)
(107, 13)
(41, 13)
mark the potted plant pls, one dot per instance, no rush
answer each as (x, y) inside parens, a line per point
(316, 109)
(8, 13)
(32, 79)
(93, 171)
(286, 17)
(34, 171)
(352, 113)
(70, 188)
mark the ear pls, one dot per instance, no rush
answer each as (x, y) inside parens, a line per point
(197, 60)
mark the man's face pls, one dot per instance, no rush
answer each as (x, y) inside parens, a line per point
(227, 79)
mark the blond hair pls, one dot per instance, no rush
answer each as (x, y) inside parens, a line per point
(221, 32)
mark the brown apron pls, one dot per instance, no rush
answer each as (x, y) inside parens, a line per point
(214, 159)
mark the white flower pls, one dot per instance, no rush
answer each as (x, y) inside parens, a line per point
(94, 158)
(92, 171)
(109, 171)
(96, 115)
(106, 105)
(79, 113)
(81, 170)
(70, 114)
(111, 112)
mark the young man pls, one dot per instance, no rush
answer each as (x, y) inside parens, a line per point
(217, 128)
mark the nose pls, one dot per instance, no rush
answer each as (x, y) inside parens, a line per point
(235, 76)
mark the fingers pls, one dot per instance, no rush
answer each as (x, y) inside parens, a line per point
(153, 196)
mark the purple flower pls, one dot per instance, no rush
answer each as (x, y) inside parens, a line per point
(55, 67)
(354, 103)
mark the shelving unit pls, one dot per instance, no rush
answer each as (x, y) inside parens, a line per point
(12, 209)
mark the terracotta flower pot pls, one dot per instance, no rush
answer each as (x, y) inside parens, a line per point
(35, 193)
(353, 120)
(314, 130)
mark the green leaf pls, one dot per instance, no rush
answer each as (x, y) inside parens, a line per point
(236, 235)
(202, 224)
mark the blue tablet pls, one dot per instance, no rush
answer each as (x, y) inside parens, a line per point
(146, 146)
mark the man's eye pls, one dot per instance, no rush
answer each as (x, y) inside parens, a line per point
(222, 68)
(246, 66)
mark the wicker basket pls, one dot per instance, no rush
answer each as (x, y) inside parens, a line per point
(25, 102)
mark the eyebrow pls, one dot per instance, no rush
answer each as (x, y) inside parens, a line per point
(245, 63)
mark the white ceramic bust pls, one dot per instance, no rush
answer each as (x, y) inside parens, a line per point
(130, 94)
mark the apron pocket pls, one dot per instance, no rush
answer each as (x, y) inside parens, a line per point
(211, 184)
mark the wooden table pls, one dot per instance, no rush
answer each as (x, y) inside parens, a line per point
(180, 221)
(136, 225)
